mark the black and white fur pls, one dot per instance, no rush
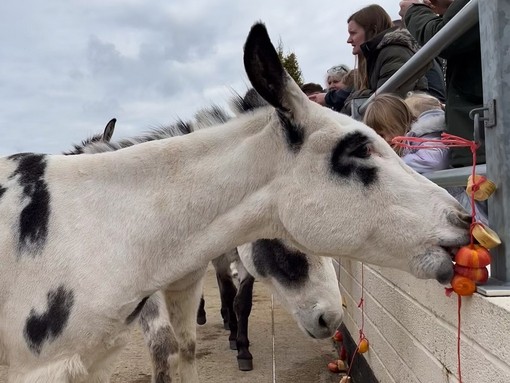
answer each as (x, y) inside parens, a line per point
(85, 240)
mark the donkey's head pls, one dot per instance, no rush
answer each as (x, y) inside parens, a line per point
(97, 138)
(306, 285)
(341, 190)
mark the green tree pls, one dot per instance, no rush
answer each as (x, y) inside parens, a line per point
(290, 63)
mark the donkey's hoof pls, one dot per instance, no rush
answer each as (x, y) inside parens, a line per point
(201, 320)
(245, 364)
(233, 344)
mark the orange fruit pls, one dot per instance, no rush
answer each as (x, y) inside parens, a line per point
(363, 346)
(462, 285)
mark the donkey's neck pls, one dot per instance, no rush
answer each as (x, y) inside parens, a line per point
(188, 199)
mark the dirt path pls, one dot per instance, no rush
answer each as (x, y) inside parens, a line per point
(297, 358)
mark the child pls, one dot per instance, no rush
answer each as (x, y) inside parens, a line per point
(419, 115)
(429, 124)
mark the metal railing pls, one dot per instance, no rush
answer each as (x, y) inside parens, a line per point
(495, 43)
(459, 24)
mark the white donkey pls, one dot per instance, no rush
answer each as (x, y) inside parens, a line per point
(306, 285)
(77, 264)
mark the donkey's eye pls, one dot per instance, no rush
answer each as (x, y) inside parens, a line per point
(362, 151)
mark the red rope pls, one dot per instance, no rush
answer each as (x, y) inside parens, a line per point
(361, 305)
(459, 305)
(449, 140)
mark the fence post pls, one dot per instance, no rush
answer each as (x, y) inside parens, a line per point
(495, 47)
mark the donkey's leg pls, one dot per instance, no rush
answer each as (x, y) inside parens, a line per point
(228, 291)
(182, 309)
(160, 338)
(201, 314)
(242, 306)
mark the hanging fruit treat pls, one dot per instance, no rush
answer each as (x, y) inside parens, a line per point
(473, 256)
(478, 275)
(463, 286)
(337, 366)
(485, 187)
(337, 337)
(342, 366)
(485, 236)
(333, 367)
(363, 346)
(343, 353)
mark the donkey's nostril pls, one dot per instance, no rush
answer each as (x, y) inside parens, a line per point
(322, 322)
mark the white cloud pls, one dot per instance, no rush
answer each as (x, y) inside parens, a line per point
(66, 68)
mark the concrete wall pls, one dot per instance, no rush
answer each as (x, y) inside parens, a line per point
(412, 328)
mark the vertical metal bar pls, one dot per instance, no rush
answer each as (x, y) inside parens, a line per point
(495, 46)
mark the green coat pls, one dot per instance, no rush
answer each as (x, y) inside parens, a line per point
(463, 73)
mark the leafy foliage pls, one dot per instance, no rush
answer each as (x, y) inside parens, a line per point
(290, 63)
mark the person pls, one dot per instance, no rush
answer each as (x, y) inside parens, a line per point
(310, 88)
(389, 116)
(335, 97)
(435, 75)
(418, 115)
(463, 67)
(419, 102)
(381, 50)
(335, 75)
(429, 124)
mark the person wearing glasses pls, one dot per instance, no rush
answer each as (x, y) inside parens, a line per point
(335, 75)
(340, 84)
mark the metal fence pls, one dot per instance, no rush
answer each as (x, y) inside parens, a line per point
(495, 44)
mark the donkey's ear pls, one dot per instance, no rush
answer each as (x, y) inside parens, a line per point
(265, 71)
(108, 130)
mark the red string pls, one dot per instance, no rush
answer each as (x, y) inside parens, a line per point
(459, 305)
(449, 140)
(361, 305)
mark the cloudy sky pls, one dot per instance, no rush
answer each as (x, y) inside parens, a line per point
(69, 66)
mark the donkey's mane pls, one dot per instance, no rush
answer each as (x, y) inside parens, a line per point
(204, 118)
(79, 148)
